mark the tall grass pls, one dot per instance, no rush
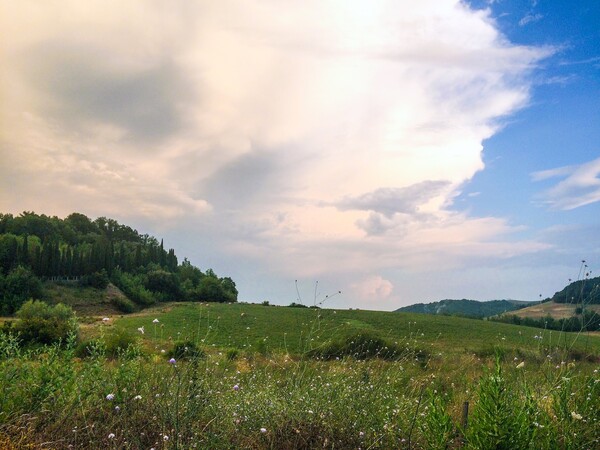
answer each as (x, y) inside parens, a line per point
(141, 400)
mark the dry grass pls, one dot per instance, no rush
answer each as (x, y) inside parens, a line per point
(556, 310)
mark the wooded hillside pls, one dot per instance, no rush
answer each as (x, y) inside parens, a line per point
(36, 248)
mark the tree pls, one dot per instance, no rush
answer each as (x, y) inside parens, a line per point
(40, 323)
(163, 282)
(18, 286)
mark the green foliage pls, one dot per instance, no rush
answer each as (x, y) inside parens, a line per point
(437, 427)
(18, 286)
(44, 324)
(164, 283)
(581, 291)
(95, 251)
(123, 304)
(501, 420)
(133, 287)
(97, 280)
(117, 343)
(211, 289)
(466, 308)
(297, 305)
(186, 350)
(362, 345)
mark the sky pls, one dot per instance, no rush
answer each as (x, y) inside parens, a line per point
(396, 151)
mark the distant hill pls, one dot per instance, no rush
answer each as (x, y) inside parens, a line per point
(467, 308)
(586, 291)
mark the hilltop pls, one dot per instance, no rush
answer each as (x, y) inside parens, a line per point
(467, 308)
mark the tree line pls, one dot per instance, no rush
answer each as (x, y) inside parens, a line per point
(35, 248)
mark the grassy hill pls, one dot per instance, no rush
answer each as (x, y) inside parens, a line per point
(274, 329)
(469, 308)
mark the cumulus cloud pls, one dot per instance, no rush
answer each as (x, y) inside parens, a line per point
(284, 132)
(390, 201)
(373, 288)
(580, 185)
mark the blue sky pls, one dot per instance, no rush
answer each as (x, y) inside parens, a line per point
(398, 151)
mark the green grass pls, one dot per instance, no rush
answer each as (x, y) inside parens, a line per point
(295, 330)
(254, 386)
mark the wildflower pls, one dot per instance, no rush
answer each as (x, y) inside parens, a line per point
(576, 416)
(172, 361)
(155, 321)
(137, 397)
(111, 436)
(361, 434)
(236, 388)
(263, 430)
(117, 408)
(141, 330)
(521, 365)
(110, 397)
(165, 438)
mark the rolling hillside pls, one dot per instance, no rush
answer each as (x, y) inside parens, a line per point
(294, 330)
(467, 308)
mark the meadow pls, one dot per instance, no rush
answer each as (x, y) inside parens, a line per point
(252, 376)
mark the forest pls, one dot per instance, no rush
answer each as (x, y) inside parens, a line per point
(35, 248)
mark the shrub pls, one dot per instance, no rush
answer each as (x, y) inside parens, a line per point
(120, 342)
(362, 345)
(93, 347)
(41, 323)
(186, 350)
(123, 304)
(133, 287)
(18, 286)
(97, 280)
(297, 305)
(163, 282)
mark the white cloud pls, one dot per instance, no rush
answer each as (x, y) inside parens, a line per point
(304, 136)
(580, 185)
(530, 18)
(373, 288)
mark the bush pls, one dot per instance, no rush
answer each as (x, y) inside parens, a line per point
(89, 348)
(18, 286)
(98, 280)
(41, 323)
(123, 304)
(133, 287)
(163, 282)
(121, 342)
(362, 345)
(186, 350)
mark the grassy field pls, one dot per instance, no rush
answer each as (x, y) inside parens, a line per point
(255, 384)
(294, 330)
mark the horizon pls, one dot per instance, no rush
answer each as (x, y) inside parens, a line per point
(396, 152)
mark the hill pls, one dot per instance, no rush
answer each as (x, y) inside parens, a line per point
(467, 308)
(38, 250)
(585, 291)
(552, 309)
(283, 329)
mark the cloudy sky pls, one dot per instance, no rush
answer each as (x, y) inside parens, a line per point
(398, 151)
